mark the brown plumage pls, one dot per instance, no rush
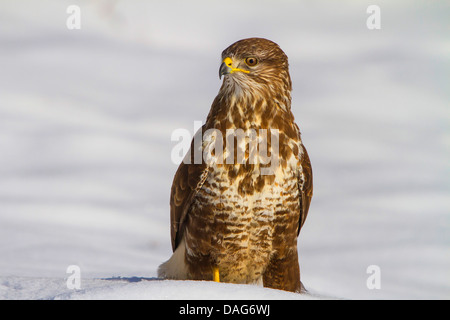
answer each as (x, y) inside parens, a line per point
(227, 214)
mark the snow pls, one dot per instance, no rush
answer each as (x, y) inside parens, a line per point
(86, 118)
(136, 288)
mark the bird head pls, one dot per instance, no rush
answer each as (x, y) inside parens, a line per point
(255, 63)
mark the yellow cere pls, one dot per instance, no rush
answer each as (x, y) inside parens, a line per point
(229, 63)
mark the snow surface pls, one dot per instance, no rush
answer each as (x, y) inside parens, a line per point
(135, 288)
(86, 118)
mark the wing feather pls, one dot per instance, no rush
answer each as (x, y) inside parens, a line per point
(305, 184)
(188, 180)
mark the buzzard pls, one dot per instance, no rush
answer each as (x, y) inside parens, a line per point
(231, 221)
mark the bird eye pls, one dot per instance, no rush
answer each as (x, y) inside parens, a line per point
(251, 61)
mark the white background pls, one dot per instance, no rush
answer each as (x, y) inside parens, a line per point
(86, 118)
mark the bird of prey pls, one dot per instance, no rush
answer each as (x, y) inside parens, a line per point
(231, 221)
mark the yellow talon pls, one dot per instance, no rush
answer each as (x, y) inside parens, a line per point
(216, 276)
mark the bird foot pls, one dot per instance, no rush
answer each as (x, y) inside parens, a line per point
(216, 275)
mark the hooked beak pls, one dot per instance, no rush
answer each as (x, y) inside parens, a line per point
(224, 69)
(227, 67)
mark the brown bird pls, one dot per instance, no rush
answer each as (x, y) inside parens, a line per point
(236, 214)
